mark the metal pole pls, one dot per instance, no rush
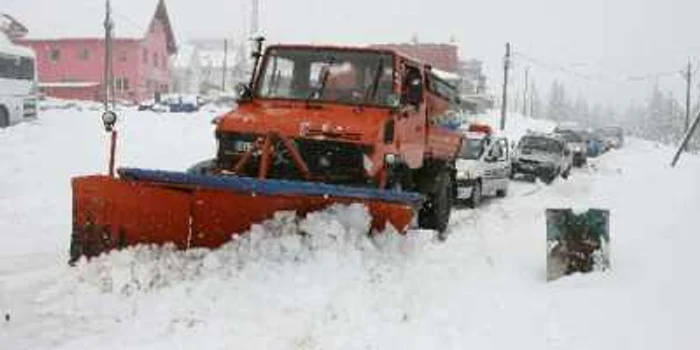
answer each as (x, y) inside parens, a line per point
(504, 105)
(112, 151)
(254, 22)
(686, 138)
(527, 71)
(107, 80)
(225, 68)
(688, 78)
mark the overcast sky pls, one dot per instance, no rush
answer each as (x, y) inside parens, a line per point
(608, 39)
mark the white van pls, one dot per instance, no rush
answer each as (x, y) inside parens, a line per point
(483, 166)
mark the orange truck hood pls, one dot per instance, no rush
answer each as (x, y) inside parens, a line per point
(294, 119)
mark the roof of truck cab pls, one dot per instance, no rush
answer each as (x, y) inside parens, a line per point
(342, 48)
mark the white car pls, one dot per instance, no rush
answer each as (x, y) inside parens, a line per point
(483, 167)
(542, 155)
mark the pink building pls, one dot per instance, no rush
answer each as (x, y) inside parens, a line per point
(70, 49)
(441, 56)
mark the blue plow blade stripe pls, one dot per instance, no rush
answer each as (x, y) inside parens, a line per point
(269, 186)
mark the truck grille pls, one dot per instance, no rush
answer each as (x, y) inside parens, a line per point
(335, 162)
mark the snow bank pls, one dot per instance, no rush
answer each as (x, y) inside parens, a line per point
(517, 124)
(320, 283)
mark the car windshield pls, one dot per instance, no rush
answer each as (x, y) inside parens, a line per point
(611, 132)
(540, 144)
(332, 75)
(472, 149)
(570, 136)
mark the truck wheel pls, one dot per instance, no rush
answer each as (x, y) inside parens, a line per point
(435, 213)
(4, 118)
(475, 199)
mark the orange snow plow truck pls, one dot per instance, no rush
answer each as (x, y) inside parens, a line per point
(315, 126)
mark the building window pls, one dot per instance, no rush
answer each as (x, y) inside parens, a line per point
(121, 84)
(155, 59)
(123, 56)
(84, 54)
(54, 55)
(145, 56)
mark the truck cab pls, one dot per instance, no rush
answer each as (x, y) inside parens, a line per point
(483, 165)
(351, 116)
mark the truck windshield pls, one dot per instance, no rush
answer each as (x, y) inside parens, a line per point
(329, 75)
(472, 149)
(540, 144)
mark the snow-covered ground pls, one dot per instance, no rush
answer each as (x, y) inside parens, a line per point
(483, 288)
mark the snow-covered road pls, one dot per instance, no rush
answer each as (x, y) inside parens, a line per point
(484, 288)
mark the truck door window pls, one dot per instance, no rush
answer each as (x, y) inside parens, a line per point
(412, 91)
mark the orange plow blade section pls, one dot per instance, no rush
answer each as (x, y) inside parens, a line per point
(155, 207)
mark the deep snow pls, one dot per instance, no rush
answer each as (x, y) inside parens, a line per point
(335, 288)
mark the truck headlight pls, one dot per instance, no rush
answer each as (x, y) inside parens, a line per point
(242, 146)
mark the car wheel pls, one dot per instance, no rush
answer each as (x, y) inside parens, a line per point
(4, 118)
(502, 192)
(565, 175)
(549, 178)
(475, 199)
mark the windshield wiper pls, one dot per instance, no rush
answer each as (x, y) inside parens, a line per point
(375, 83)
(325, 70)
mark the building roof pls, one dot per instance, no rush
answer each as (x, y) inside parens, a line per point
(11, 27)
(441, 56)
(84, 19)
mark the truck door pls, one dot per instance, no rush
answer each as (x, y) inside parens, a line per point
(411, 121)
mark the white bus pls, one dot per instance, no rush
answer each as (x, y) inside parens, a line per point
(18, 85)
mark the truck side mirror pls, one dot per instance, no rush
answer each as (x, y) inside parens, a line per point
(414, 94)
(243, 93)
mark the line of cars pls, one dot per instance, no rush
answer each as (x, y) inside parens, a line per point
(487, 161)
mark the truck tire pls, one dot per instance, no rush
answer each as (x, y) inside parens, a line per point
(475, 199)
(4, 117)
(435, 213)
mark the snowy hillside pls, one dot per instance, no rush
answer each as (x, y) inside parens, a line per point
(484, 288)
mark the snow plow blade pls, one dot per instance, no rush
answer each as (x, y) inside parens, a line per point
(158, 207)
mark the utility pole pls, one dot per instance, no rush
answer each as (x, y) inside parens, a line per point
(108, 70)
(688, 78)
(255, 18)
(527, 71)
(504, 104)
(224, 71)
(532, 100)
